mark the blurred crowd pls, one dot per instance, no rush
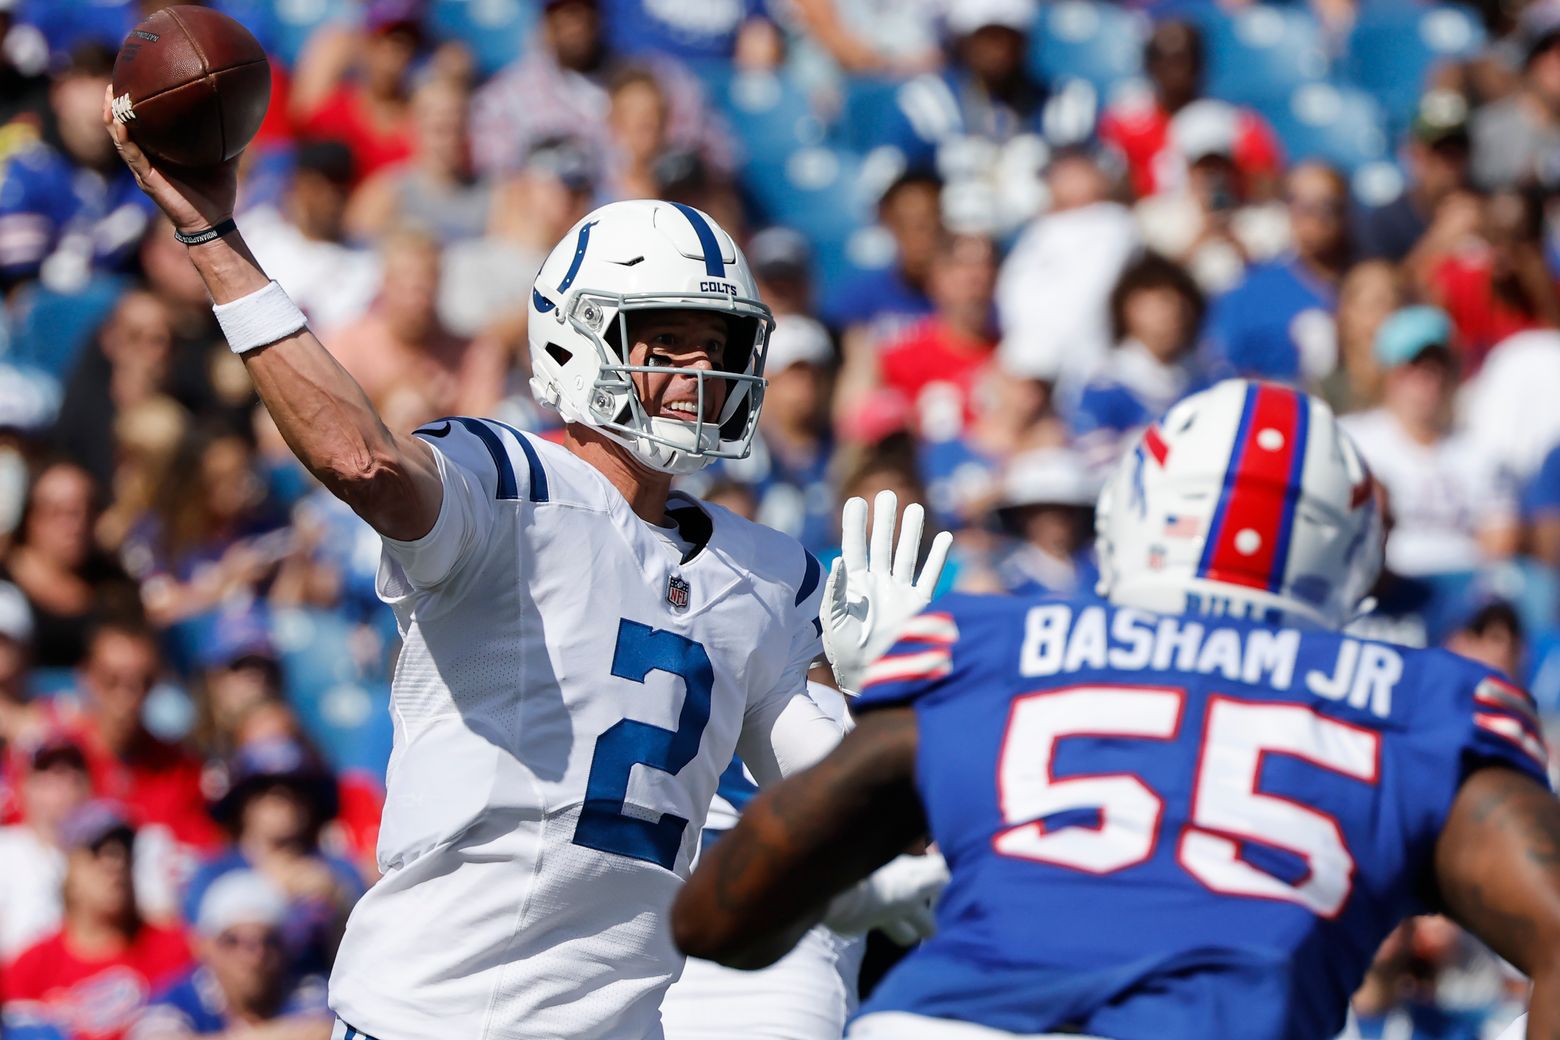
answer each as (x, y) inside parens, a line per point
(1000, 237)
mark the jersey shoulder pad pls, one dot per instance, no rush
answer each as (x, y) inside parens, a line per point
(506, 460)
(936, 648)
(767, 555)
(1500, 719)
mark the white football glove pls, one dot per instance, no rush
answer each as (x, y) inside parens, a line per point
(870, 595)
(897, 898)
(1518, 1030)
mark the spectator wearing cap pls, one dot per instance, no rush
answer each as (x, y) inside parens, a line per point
(1054, 289)
(32, 853)
(1436, 159)
(487, 281)
(278, 799)
(781, 262)
(434, 189)
(1277, 322)
(1450, 508)
(243, 982)
(984, 119)
(302, 237)
(1495, 283)
(875, 307)
(94, 975)
(789, 467)
(1208, 222)
(559, 88)
(70, 583)
(356, 87)
(1156, 311)
(1046, 511)
(68, 207)
(1515, 138)
(1142, 124)
(237, 669)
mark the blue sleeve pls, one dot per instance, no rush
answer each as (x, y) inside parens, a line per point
(921, 663)
(1542, 495)
(1503, 729)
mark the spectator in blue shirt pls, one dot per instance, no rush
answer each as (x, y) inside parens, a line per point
(694, 33)
(1047, 511)
(1155, 312)
(242, 982)
(1277, 323)
(68, 206)
(1436, 155)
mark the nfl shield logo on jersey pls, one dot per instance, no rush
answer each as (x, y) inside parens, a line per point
(677, 592)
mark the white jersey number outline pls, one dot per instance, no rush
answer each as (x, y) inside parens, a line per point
(1227, 809)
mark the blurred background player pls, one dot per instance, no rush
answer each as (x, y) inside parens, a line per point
(1255, 798)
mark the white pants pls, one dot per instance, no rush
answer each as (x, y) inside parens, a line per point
(805, 995)
(896, 1025)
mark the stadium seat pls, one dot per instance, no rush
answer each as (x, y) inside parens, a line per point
(769, 114)
(1098, 42)
(342, 704)
(1262, 52)
(496, 31)
(1393, 49)
(1340, 125)
(296, 21)
(51, 328)
(870, 112)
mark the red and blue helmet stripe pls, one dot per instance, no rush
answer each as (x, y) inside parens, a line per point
(1254, 519)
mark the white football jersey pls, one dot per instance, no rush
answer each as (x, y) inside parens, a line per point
(570, 687)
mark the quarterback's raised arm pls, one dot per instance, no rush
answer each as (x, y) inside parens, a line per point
(390, 480)
(1497, 866)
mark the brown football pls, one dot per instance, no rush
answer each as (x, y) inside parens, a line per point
(191, 85)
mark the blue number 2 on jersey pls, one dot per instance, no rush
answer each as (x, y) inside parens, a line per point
(602, 824)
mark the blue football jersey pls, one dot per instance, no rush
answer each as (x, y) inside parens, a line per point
(1174, 828)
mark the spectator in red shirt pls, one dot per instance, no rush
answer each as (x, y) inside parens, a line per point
(94, 975)
(1139, 123)
(939, 362)
(1498, 283)
(159, 780)
(369, 111)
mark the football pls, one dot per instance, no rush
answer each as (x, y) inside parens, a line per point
(191, 85)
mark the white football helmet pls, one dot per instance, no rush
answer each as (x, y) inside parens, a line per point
(634, 256)
(1247, 499)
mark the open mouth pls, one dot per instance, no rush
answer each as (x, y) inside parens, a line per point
(686, 411)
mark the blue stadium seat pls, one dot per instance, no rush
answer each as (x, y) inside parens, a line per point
(1098, 42)
(496, 31)
(1262, 52)
(1394, 48)
(870, 112)
(343, 707)
(1341, 125)
(769, 114)
(296, 21)
(51, 328)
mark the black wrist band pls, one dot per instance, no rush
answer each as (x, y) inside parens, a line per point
(211, 234)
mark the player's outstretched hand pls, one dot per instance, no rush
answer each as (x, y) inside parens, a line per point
(193, 199)
(897, 898)
(873, 590)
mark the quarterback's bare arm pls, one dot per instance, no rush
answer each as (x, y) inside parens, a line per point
(832, 824)
(390, 480)
(1497, 866)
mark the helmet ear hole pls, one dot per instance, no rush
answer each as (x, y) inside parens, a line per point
(559, 354)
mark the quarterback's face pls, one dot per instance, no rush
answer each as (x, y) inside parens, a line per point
(681, 342)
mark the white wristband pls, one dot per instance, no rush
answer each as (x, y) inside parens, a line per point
(259, 319)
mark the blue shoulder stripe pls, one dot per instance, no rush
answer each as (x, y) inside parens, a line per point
(538, 474)
(809, 577)
(508, 486)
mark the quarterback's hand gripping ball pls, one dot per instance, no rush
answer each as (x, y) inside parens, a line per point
(872, 591)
